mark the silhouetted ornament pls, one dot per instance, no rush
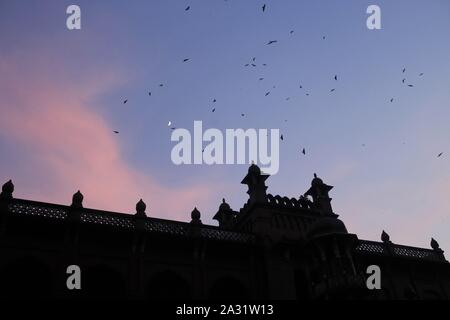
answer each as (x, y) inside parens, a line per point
(224, 206)
(434, 244)
(195, 215)
(77, 200)
(7, 190)
(140, 208)
(385, 237)
(316, 181)
(254, 169)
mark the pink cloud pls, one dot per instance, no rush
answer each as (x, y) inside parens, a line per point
(69, 147)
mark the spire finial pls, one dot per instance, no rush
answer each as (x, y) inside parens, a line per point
(315, 175)
(77, 200)
(195, 216)
(385, 237)
(434, 244)
(140, 208)
(7, 190)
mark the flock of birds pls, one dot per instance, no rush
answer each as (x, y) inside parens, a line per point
(252, 63)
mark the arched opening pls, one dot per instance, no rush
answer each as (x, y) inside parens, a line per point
(100, 281)
(167, 285)
(227, 288)
(26, 278)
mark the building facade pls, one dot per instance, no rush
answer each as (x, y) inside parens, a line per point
(272, 248)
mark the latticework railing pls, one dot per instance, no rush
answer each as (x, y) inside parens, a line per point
(379, 248)
(22, 207)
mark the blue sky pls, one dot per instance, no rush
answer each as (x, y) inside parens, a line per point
(380, 156)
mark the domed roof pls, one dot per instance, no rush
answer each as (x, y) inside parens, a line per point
(254, 169)
(316, 181)
(224, 206)
(324, 226)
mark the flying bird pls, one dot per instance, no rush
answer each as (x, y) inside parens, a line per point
(149, 93)
(267, 93)
(332, 90)
(161, 85)
(116, 132)
(272, 41)
(254, 65)
(242, 114)
(301, 87)
(264, 7)
(403, 80)
(288, 98)
(323, 38)
(421, 74)
(335, 77)
(261, 79)
(246, 65)
(185, 60)
(125, 101)
(404, 69)
(440, 154)
(410, 85)
(214, 100)
(214, 109)
(291, 32)
(307, 94)
(264, 64)
(281, 137)
(253, 59)
(304, 151)
(188, 7)
(392, 99)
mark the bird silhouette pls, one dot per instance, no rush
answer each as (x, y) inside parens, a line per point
(421, 74)
(264, 7)
(332, 90)
(392, 99)
(125, 101)
(291, 32)
(214, 100)
(185, 60)
(214, 109)
(187, 8)
(403, 80)
(410, 85)
(335, 77)
(149, 93)
(161, 85)
(267, 93)
(261, 79)
(272, 41)
(116, 132)
(304, 151)
(404, 69)
(440, 154)
(281, 137)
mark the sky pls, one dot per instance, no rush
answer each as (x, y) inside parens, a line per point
(62, 94)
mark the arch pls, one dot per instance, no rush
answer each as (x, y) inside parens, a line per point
(167, 285)
(228, 287)
(102, 281)
(26, 277)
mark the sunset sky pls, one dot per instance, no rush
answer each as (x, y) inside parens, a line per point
(62, 93)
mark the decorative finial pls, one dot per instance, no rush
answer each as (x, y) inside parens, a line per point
(434, 244)
(140, 208)
(7, 190)
(77, 200)
(195, 216)
(223, 200)
(315, 175)
(385, 237)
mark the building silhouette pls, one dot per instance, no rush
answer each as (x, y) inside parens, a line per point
(272, 248)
